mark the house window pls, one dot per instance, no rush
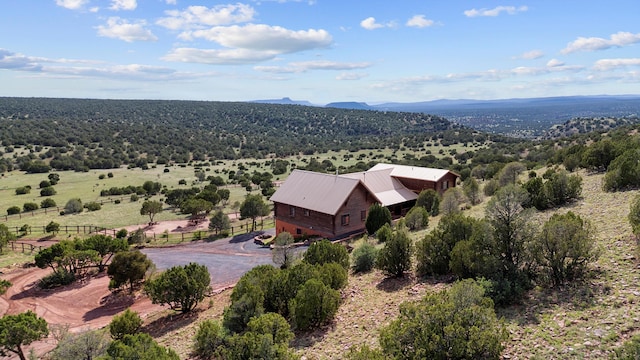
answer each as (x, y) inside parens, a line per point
(363, 215)
(292, 211)
(345, 219)
(307, 212)
(445, 184)
(298, 231)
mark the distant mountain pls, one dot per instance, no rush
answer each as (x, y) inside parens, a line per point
(284, 101)
(351, 105)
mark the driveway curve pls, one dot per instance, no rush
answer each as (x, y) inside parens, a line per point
(227, 259)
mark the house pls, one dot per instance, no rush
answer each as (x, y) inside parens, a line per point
(335, 206)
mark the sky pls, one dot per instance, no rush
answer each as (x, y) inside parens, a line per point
(320, 51)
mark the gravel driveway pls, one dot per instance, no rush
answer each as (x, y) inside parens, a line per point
(227, 259)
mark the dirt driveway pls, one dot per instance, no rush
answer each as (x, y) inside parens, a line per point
(227, 259)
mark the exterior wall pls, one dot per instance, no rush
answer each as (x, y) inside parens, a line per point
(447, 181)
(360, 200)
(300, 222)
(415, 185)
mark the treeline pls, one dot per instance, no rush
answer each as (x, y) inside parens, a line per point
(83, 134)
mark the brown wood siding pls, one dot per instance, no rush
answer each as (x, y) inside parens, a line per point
(416, 185)
(449, 180)
(314, 223)
(358, 201)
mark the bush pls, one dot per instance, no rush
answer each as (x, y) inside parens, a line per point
(121, 234)
(180, 287)
(47, 203)
(417, 218)
(394, 259)
(377, 216)
(127, 323)
(322, 252)
(134, 197)
(13, 210)
(314, 304)
(490, 187)
(430, 201)
(459, 323)
(59, 277)
(23, 190)
(30, 206)
(93, 206)
(52, 227)
(73, 206)
(48, 191)
(208, 340)
(630, 350)
(44, 184)
(102, 176)
(364, 258)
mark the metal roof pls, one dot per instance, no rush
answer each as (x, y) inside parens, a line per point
(320, 192)
(388, 190)
(412, 172)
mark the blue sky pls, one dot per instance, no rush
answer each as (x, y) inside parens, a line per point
(318, 50)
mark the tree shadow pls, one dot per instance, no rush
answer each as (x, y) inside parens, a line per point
(393, 284)
(577, 295)
(33, 289)
(110, 305)
(244, 237)
(170, 323)
(305, 339)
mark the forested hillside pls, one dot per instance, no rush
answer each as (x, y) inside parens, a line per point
(84, 133)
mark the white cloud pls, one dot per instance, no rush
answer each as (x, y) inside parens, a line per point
(351, 76)
(554, 63)
(71, 4)
(419, 21)
(371, 24)
(511, 10)
(218, 57)
(259, 37)
(88, 68)
(595, 43)
(612, 64)
(199, 16)
(121, 29)
(171, 2)
(123, 5)
(304, 66)
(530, 55)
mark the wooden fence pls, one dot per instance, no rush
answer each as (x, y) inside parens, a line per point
(57, 209)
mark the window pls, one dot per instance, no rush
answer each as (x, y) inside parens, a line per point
(363, 215)
(292, 211)
(345, 220)
(307, 212)
(298, 231)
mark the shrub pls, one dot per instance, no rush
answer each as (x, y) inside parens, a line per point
(322, 252)
(209, 339)
(47, 203)
(377, 216)
(59, 277)
(429, 200)
(314, 304)
(23, 190)
(44, 184)
(127, 323)
(73, 206)
(193, 280)
(490, 187)
(121, 234)
(52, 227)
(364, 258)
(134, 197)
(101, 176)
(13, 210)
(394, 259)
(110, 175)
(30, 206)
(48, 191)
(459, 323)
(417, 218)
(93, 206)
(630, 350)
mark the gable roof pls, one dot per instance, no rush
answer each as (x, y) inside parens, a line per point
(388, 190)
(320, 192)
(412, 172)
